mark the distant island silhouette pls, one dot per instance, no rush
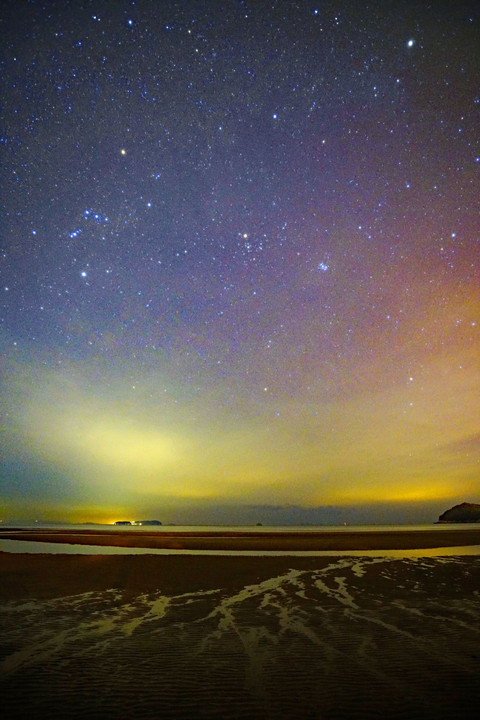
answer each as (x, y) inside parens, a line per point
(137, 522)
(463, 513)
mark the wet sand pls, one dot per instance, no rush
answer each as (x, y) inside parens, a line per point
(257, 541)
(182, 636)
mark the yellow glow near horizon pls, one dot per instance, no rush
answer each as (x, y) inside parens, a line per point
(119, 446)
(410, 491)
(200, 315)
(361, 448)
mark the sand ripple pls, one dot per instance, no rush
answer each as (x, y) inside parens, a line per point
(357, 638)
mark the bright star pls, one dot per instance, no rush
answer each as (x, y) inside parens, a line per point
(411, 43)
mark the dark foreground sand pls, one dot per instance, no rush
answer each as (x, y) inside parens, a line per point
(148, 636)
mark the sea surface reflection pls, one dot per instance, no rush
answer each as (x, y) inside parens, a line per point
(30, 546)
(85, 527)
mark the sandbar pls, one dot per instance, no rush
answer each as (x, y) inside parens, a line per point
(257, 541)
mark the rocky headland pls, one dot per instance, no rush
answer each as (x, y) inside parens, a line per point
(463, 513)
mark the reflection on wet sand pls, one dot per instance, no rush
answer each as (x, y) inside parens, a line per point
(345, 637)
(296, 540)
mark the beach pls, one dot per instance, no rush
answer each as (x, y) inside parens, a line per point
(256, 540)
(206, 636)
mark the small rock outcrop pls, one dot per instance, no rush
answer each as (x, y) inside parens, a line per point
(463, 513)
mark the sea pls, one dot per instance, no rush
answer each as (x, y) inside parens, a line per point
(30, 546)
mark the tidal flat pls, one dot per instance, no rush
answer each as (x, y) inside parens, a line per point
(184, 636)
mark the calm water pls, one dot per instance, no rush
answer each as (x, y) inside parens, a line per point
(24, 546)
(235, 528)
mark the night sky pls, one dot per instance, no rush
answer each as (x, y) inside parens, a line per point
(240, 260)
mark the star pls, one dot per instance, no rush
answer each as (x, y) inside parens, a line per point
(278, 224)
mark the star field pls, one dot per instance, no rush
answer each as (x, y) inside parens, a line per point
(240, 258)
